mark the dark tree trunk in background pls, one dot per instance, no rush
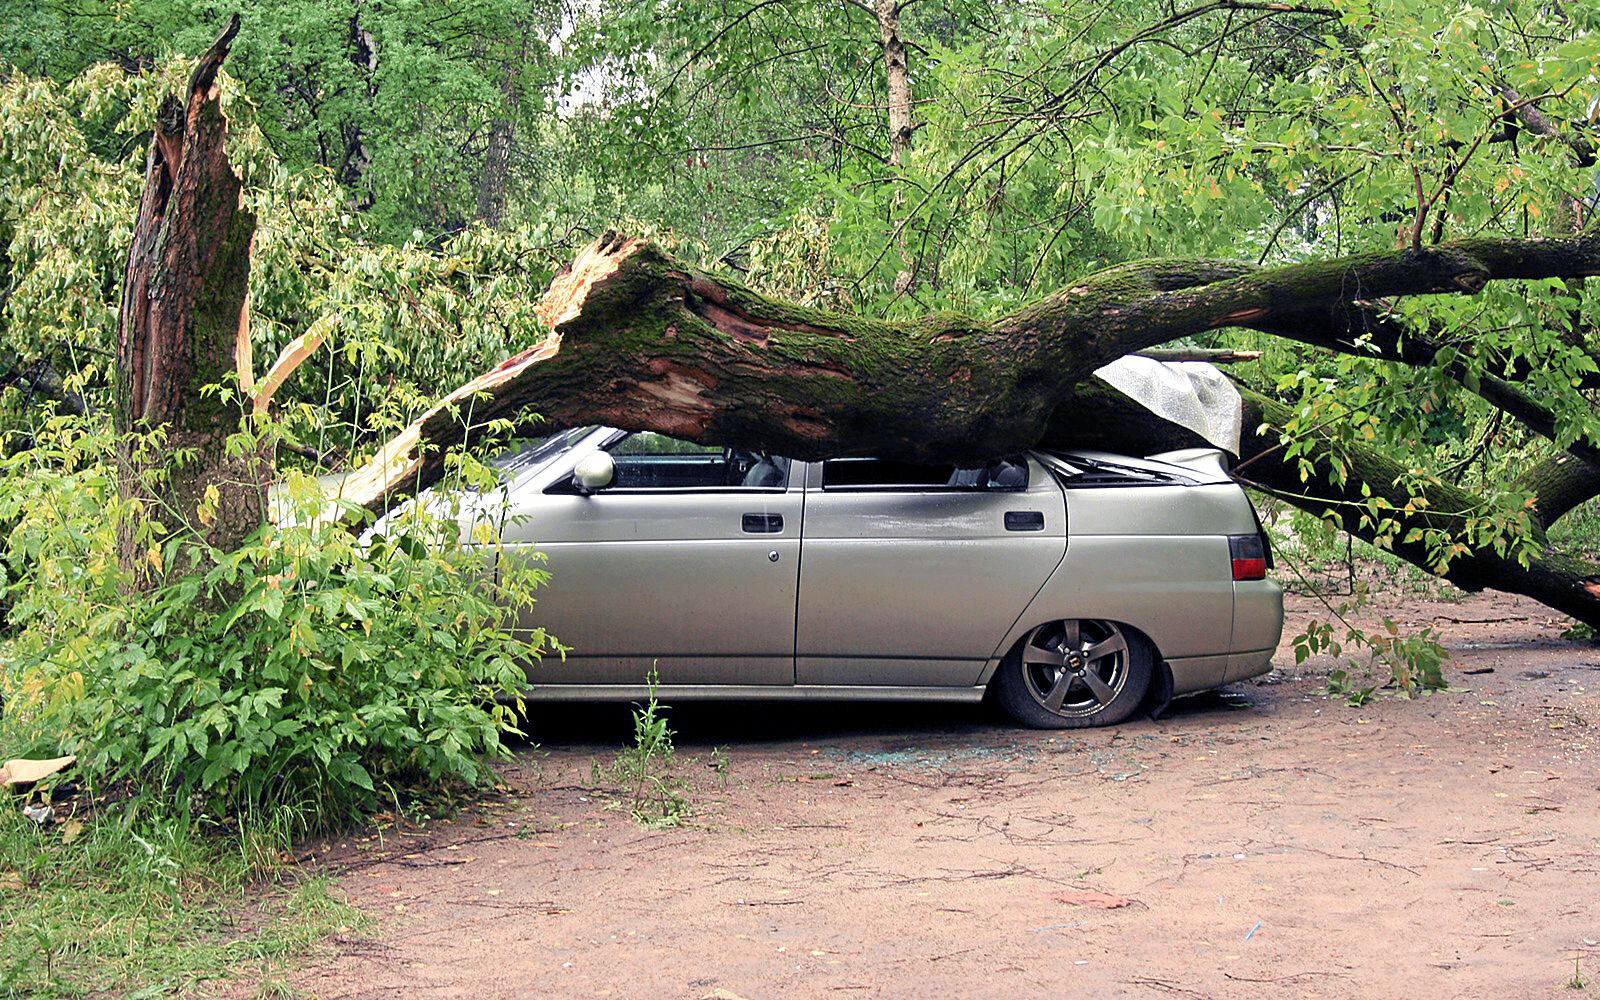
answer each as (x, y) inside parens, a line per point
(897, 79)
(492, 183)
(184, 325)
(496, 165)
(356, 160)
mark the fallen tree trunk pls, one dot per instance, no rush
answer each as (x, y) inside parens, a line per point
(641, 340)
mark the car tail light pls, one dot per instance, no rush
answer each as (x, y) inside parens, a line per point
(1249, 557)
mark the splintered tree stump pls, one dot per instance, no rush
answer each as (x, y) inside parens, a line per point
(184, 325)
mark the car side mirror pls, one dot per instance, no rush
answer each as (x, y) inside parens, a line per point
(594, 472)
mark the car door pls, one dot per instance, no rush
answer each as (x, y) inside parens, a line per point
(912, 575)
(688, 562)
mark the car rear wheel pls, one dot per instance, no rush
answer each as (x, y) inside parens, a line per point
(1075, 673)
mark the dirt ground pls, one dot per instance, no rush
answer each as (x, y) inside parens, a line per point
(1268, 841)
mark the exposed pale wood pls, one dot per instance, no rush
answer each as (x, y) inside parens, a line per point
(293, 356)
(26, 771)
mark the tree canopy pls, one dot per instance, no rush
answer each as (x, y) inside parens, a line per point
(419, 174)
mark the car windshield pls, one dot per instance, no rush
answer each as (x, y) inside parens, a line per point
(523, 454)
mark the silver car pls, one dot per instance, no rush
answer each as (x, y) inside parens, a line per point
(1075, 587)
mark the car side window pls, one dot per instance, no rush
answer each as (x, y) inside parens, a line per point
(886, 474)
(646, 460)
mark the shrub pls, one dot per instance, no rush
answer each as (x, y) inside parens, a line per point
(311, 671)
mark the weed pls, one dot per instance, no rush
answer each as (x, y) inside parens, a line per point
(644, 769)
(1341, 684)
(719, 763)
(1577, 982)
(1413, 660)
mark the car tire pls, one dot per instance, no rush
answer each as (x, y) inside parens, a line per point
(1075, 673)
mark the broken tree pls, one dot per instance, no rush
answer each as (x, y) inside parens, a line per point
(183, 332)
(638, 339)
(185, 325)
(641, 340)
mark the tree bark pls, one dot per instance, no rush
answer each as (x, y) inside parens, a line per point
(184, 325)
(356, 160)
(496, 171)
(897, 79)
(897, 89)
(1559, 485)
(641, 340)
(502, 134)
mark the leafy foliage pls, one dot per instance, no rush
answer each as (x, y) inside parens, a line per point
(397, 101)
(306, 674)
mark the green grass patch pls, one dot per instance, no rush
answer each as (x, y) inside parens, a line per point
(134, 906)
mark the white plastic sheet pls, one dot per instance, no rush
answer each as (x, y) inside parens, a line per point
(1192, 394)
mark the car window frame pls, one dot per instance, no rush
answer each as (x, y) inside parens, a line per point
(563, 484)
(816, 482)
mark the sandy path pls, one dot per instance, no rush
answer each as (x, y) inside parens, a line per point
(1271, 843)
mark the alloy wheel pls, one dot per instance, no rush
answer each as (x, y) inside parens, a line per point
(1076, 667)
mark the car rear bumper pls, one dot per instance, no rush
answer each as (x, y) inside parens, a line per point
(1257, 616)
(1257, 627)
(1243, 666)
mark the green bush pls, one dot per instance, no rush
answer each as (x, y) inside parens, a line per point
(311, 672)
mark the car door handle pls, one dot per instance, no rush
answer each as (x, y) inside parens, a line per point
(1024, 520)
(763, 523)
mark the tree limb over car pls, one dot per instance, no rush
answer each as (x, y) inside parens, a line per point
(641, 340)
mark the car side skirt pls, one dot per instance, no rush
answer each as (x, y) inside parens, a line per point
(736, 692)
(1243, 666)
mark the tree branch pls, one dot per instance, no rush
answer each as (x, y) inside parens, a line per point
(1559, 485)
(641, 340)
(1364, 330)
(1569, 585)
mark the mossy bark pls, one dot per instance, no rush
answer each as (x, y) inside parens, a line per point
(1559, 484)
(642, 340)
(183, 326)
